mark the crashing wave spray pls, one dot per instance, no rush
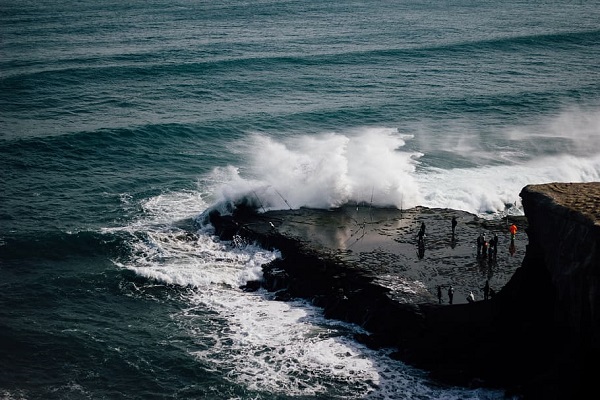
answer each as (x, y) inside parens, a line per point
(327, 171)
(375, 166)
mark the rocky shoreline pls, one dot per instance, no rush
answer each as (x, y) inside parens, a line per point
(363, 265)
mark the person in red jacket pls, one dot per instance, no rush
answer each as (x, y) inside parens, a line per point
(513, 231)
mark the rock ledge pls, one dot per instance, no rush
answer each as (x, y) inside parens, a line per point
(539, 337)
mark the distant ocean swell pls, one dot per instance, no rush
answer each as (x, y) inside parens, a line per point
(130, 68)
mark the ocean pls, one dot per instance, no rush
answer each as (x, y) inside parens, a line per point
(122, 123)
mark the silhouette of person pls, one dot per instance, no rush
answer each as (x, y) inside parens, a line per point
(454, 225)
(484, 246)
(480, 240)
(439, 293)
(513, 233)
(450, 294)
(422, 230)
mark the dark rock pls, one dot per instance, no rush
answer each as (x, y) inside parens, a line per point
(252, 286)
(537, 337)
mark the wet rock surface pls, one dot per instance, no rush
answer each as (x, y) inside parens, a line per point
(362, 265)
(537, 337)
(381, 245)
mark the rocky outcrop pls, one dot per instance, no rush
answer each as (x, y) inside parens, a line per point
(538, 337)
(563, 265)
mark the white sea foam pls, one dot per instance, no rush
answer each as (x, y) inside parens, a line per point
(268, 346)
(375, 165)
(288, 347)
(491, 188)
(326, 171)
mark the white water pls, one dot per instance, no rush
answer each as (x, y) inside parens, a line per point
(265, 345)
(376, 165)
(289, 348)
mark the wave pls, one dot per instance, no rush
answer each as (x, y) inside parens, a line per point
(172, 63)
(381, 167)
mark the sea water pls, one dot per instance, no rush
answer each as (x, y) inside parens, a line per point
(121, 123)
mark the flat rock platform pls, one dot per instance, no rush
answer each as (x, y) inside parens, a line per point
(381, 244)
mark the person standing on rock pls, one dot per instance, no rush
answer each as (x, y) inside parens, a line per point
(480, 241)
(513, 231)
(450, 294)
(494, 248)
(422, 230)
(454, 223)
(439, 292)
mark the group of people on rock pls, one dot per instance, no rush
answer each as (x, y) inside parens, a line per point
(488, 293)
(450, 294)
(487, 248)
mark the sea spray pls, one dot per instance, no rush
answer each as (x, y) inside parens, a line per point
(327, 170)
(375, 166)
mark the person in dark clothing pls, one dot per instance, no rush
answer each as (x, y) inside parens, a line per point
(454, 223)
(439, 293)
(422, 230)
(450, 294)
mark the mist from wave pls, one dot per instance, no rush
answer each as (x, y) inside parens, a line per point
(479, 170)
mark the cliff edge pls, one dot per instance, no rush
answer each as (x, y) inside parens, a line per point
(564, 253)
(539, 338)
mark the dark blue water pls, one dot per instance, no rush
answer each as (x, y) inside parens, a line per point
(120, 124)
